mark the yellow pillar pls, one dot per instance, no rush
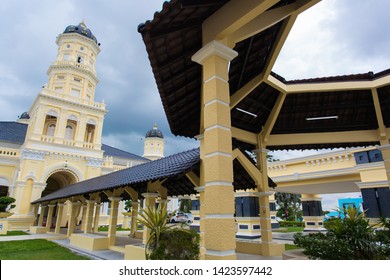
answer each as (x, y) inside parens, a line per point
(49, 216)
(150, 201)
(40, 221)
(74, 207)
(60, 207)
(268, 248)
(23, 197)
(113, 219)
(36, 209)
(312, 212)
(97, 217)
(134, 213)
(83, 216)
(89, 216)
(385, 150)
(219, 225)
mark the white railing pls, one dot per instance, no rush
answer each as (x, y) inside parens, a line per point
(75, 99)
(9, 152)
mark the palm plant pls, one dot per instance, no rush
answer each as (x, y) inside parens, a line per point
(155, 219)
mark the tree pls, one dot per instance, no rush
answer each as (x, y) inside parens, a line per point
(185, 205)
(6, 203)
(289, 206)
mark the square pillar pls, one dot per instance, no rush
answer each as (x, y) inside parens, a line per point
(83, 215)
(113, 219)
(134, 213)
(150, 201)
(40, 220)
(89, 216)
(312, 212)
(268, 247)
(97, 217)
(218, 221)
(74, 207)
(49, 217)
(385, 150)
(60, 207)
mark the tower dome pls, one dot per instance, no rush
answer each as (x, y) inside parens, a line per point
(154, 132)
(25, 115)
(81, 29)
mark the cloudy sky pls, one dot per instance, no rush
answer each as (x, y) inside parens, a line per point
(335, 37)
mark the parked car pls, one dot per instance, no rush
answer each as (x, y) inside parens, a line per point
(180, 218)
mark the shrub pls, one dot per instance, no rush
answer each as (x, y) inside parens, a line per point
(291, 224)
(6, 202)
(166, 243)
(346, 239)
(177, 244)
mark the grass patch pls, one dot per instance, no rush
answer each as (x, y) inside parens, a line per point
(289, 229)
(37, 249)
(291, 247)
(14, 232)
(105, 228)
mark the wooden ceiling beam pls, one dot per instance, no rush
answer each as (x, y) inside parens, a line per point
(231, 17)
(272, 117)
(323, 138)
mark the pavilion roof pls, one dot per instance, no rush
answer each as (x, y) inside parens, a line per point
(174, 35)
(172, 168)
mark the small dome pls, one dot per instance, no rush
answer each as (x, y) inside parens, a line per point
(24, 116)
(154, 132)
(81, 29)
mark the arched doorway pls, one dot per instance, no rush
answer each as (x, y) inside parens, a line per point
(57, 180)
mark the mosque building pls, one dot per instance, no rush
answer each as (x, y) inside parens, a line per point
(58, 142)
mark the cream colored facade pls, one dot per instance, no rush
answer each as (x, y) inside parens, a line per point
(63, 138)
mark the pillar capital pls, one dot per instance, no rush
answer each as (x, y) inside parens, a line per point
(51, 205)
(264, 151)
(311, 197)
(199, 189)
(114, 198)
(150, 195)
(259, 194)
(214, 48)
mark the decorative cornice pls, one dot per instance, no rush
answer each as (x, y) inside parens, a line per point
(28, 154)
(94, 162)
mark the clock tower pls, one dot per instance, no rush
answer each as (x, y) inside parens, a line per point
(63, 142)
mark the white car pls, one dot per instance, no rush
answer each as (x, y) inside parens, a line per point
(181, 218)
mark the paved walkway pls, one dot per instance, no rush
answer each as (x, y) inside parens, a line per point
(123, 239)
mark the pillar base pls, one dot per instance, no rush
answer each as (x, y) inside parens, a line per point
(3, 226)
(20, 222)
(90, 242)
(134, 252)
(38, 229)
(314, 223)
(258, 248)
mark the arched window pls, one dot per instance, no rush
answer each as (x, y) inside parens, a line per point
(69, 132)
(51, 129)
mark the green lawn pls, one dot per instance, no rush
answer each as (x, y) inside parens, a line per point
(105, 228)
(290, 247)
(14, 232)
(289, 229)
(37, 249)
